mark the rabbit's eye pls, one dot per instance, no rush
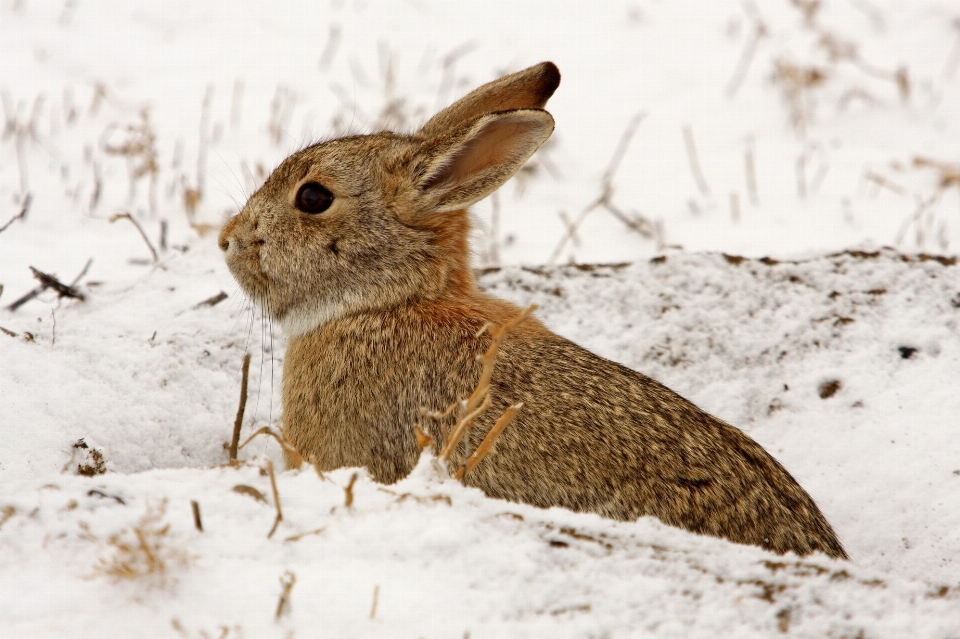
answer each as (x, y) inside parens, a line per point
(313, 197)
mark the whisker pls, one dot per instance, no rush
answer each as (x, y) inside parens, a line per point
(236, 178)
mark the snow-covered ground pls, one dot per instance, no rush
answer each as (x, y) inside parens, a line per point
(838, 356)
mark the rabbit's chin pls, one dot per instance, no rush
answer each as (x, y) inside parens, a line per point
(306, 318)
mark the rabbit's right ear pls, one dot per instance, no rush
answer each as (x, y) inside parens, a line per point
(476, 160)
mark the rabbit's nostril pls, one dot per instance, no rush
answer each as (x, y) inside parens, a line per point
(223, 243)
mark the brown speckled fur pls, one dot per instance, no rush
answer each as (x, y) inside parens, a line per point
(382, 310)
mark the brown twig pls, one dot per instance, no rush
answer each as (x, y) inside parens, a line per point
(801, 171)
(923, 207)
(22, 215)
(694, 161)
(487, 444)
(197, 523)
(953, 60)
(63, 290)
(300, 536)
(127, 216)
(330, 48)
(348, 491)
(475, 405)
(212, 301)
(949, 173)
(883, 182)
(204, 141)
(44, 285)
(293, 456)
(449, 62)
(287, 579)
(751, 172)
(276, 498)
(606, 191)
(735, 207)
(797, 81)
(236, 103)
(139, 149)
(760, 31)
(376, 598)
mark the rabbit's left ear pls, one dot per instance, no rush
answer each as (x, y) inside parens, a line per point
(474, 162)
(527, 89)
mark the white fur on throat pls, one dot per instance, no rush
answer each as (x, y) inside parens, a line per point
(306, 319)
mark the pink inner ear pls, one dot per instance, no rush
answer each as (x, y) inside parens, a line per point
(499, 142)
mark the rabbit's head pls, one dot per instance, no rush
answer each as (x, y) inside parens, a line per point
(373, 221)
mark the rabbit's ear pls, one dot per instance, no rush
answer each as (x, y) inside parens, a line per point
(471, 164)
(527, 89)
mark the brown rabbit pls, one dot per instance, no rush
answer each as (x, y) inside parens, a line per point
(358, 248)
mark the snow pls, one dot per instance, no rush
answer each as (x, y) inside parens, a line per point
(148, 376)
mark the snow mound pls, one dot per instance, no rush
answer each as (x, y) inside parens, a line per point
(757, 342)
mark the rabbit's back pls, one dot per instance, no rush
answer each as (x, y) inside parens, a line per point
(593, 436)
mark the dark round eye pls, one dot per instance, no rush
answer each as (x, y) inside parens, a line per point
(314, 198)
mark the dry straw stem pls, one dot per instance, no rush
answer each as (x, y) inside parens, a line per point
(882, 182)
(953, 60)
(839, 50)
(750, 168)
(923, 207)
(294, 457)
(143, 550)
(449, 62)
(949, 173)
(287, 580)
(22, 215)
(236, 103)
(213, 300)
(226, 632)
(348, 491)
(487, 444)
(204, 142)
(633, 221)
(127, 216)
(197, 522)
(300, 536)
(735, 206)
(331, 47)
(475, 405)
(694, 161)
(796, 81)
(140, 152)
(238, 422)
(760, 31)
(276, 498)
(21, 133)
(62, 290)
(6, 514)
(809, 10)
(281, 108)
(46, 281)
(376, 599)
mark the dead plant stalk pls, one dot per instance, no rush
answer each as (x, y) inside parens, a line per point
(475, 405)
(694, 160)
(276, 498)
(238, 422)
(22, 215)
(127, 216)
(636, 222)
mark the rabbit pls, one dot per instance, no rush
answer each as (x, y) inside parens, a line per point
(358, 248)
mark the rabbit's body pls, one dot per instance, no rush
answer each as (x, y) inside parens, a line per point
(358, 247)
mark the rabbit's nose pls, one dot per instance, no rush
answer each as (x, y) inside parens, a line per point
(224, 240)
